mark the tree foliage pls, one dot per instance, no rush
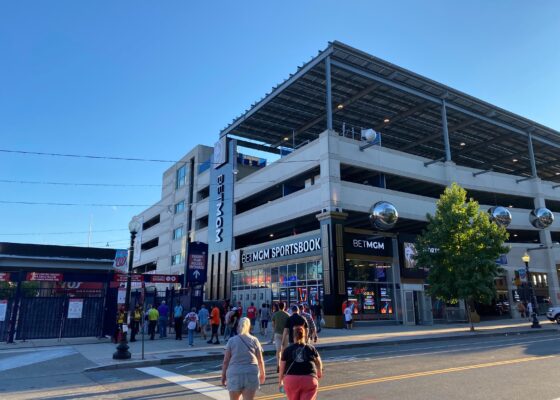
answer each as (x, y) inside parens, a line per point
(460, 246)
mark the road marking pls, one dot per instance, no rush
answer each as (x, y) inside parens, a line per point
(34, 357)
(183, 366)
(212, 391)
(414, 375)
(361, 358)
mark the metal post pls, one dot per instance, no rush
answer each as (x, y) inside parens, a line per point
(122, 352)
(143, 320)
(532, 155)
(15, 309)
(329, 92)
(533, 298)
(445, 131)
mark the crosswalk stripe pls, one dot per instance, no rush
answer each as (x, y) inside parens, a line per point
(34, 357)
(207, 389)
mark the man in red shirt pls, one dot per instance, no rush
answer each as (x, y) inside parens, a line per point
(252, 315)
(215, 324)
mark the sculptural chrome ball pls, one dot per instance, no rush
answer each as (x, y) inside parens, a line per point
(541, 218)
(500, 216)
(383, 215)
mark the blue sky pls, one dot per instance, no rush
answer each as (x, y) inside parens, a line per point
(153, 79)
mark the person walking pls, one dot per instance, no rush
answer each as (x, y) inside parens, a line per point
(234, 320)
(203, 317)
(178, 319)
(121, 316)
(318, 314)
(294, 320)
(215, 325)
(153, 317)
(252, 315)
(264, 315)
(192, 322)
(279, 319)
(521, 309)
(136, 321)
(243, 367)
(227, 321)
(163, 311)
(312, 331)
(300, 369)
(348, 316)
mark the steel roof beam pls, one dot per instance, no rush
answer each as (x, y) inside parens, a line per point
(279, 89)
(435, 99)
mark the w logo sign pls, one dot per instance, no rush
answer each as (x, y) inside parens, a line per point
(121, 258)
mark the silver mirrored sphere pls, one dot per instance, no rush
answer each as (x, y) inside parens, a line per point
(500, 216)
(541, 218)
(383, 215)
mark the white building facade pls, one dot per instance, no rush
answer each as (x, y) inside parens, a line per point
(298, 229)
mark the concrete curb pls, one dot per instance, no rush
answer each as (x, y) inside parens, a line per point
(326, 346)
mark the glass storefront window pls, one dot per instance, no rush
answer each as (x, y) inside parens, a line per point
(302, 273)
(292, 274)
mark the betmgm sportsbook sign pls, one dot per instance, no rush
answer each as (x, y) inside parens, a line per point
(295, 248)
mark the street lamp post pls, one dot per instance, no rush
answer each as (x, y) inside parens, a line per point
(122, 352)
(526, 258)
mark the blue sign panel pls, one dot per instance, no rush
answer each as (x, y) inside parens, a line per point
(197, 261)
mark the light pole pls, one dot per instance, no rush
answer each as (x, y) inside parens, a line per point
(122, 352)
(526, 258)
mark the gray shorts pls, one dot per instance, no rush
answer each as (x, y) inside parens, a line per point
(239, 380)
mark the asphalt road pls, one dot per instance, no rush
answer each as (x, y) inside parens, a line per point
(498, 368)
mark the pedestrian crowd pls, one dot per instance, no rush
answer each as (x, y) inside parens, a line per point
(294, 330)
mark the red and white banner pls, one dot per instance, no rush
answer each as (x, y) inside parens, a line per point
(121, 261)
(44, 276)
(4, 277)
(133, 278)
(163, 278)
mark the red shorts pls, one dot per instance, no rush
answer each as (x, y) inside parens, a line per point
(301, 387)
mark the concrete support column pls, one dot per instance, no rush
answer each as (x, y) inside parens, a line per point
(334, 278)
(445, 131)
(532, 155)
(548, 250)
(329, 92)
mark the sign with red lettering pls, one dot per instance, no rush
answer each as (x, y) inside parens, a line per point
(44, 276)
(120, 263)
(162, 278)
(134, 278)
(4, 277)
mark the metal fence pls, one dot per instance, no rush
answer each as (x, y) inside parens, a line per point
(42, 313)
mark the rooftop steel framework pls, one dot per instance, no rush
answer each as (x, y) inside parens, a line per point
(345, 89)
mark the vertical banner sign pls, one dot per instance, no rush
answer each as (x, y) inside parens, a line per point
(75, 308)
(4, 277)
(196, 262)
(3, 309)
(120, 263)
(138, 242)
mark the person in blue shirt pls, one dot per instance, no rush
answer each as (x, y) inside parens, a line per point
(203, 317)
(163, 318)
(178, 318)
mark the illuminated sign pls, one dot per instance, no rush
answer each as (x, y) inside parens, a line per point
(220, 209)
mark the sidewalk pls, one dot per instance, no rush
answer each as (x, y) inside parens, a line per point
(167, 351)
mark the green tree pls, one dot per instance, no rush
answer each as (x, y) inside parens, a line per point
(460, 246)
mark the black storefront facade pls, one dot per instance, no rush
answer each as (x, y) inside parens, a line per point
(55, 291)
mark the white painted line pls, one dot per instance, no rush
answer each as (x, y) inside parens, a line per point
(349, 359)
(184, 365)
(34, 358)
(212, 391)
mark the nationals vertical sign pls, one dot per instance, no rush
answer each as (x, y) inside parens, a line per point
(120, 264)
(196, 262)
